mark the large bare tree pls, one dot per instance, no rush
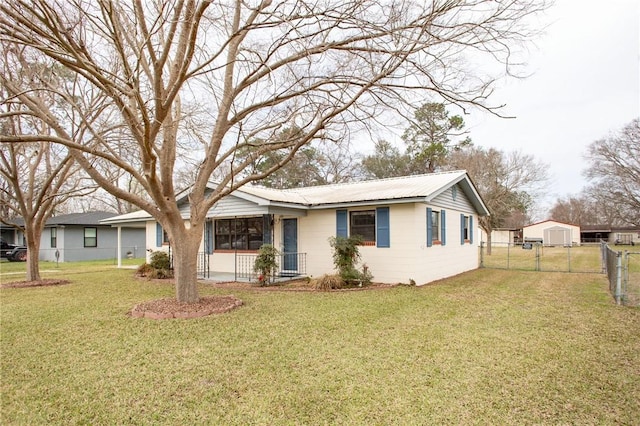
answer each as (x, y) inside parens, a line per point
(210, 78)
(614, 170)
(507, 182)
(38, 176)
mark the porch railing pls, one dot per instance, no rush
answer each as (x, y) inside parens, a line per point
(289, 265)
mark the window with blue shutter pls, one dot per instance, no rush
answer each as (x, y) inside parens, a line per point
(208, 237)
(471, 229)
(463, 229)
(443, 227)
(159, 235)
(341, 223)
(429, 228)
(383, 237)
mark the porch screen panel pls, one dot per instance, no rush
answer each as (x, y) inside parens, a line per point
(266, 229)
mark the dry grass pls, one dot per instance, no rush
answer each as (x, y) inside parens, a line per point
(328, 282)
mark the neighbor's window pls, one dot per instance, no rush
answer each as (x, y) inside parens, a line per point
(54, 237)
(363, 223)
(435, 225)
(90, 237)
(239, 234)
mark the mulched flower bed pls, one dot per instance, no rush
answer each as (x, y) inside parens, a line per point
(171, 308)
(39, 283)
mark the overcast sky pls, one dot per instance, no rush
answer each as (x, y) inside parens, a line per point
(585, 84)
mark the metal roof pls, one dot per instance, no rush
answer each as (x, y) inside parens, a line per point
(424, 187)
(419, 188)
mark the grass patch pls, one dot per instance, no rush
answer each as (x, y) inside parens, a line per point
(486, 347)
(16, 271)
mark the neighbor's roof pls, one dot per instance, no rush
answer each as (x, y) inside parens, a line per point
(88, 218)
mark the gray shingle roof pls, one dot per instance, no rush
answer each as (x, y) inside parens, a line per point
(88, 218)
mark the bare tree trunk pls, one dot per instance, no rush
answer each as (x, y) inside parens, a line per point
(485, 224)
(185, 262)
(33, 255)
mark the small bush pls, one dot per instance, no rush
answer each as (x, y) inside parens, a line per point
(159, 274)
(160, 260)
(266, 263)
(329, 282)
(345, 256)
(157, 268)
(144, 270)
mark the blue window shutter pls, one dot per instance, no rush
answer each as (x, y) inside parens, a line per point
(266, 229)
(461, 229)
(471, 229)
(341, 223)
(443, 227)
(159, 235)
(383, 237)
(429, 228)
(208, 231)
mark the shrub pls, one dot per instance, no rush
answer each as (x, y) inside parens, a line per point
(160, 260)
(158, 268)
(345, 256)
(159, 274)
(266, 263)
(144, 270)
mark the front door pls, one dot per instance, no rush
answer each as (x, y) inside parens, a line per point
(290, 249)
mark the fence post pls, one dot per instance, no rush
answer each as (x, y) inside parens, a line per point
(618, 295)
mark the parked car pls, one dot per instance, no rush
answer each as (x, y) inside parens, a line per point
(5, 248)
(18, 254)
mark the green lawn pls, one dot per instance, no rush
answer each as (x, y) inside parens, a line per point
(486, 347)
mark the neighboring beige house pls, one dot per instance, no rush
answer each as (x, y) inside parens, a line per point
(552, 233)
(416, 227)
(502, 236)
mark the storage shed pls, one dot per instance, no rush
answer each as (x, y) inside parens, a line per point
(552, 233)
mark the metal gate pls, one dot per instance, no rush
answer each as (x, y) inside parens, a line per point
(203, 265)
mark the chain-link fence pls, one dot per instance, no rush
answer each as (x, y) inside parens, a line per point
(623, 273)
(631, 280)
(621, 266)
(537, 257)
